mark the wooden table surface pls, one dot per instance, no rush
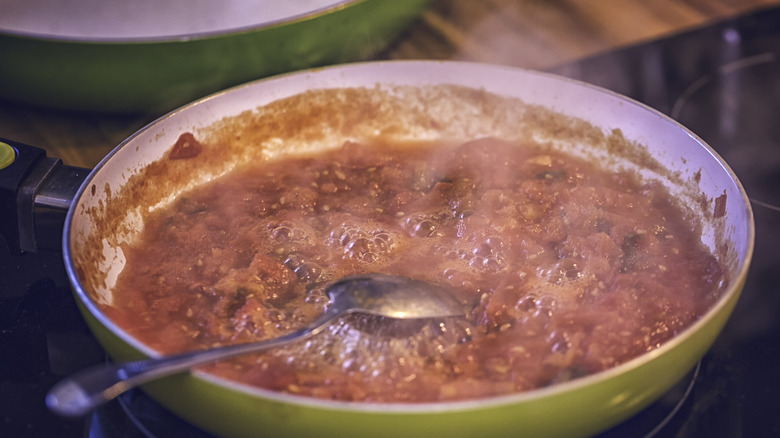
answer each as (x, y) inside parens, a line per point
(536, 34)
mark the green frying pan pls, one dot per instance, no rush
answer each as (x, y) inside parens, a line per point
(152, 56)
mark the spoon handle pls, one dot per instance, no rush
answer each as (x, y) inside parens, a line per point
(86, 390)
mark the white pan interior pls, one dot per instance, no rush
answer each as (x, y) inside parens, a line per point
(147, 19)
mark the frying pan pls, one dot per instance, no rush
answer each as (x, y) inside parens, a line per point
(151, 56)
(417, 100)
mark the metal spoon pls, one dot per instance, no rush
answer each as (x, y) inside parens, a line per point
(376, 294)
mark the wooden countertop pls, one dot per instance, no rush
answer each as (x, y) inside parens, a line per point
(536, 34)
(540, 34)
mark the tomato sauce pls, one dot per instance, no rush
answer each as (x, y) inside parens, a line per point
(568, 269)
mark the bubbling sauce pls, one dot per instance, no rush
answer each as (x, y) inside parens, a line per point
(568, 269)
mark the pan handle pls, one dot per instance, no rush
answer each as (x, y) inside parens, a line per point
(35, 193)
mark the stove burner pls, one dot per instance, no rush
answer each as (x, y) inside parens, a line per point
(659, 420)
(136, 415)
(153, 420)
(735, 110)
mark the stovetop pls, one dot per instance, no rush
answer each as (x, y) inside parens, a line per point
(721, 81)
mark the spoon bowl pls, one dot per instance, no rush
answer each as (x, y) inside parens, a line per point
(384, 295)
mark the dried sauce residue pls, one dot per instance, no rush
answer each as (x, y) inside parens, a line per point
(187, 146)
(720, 205)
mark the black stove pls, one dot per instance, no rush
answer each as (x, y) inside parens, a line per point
(721, 81)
